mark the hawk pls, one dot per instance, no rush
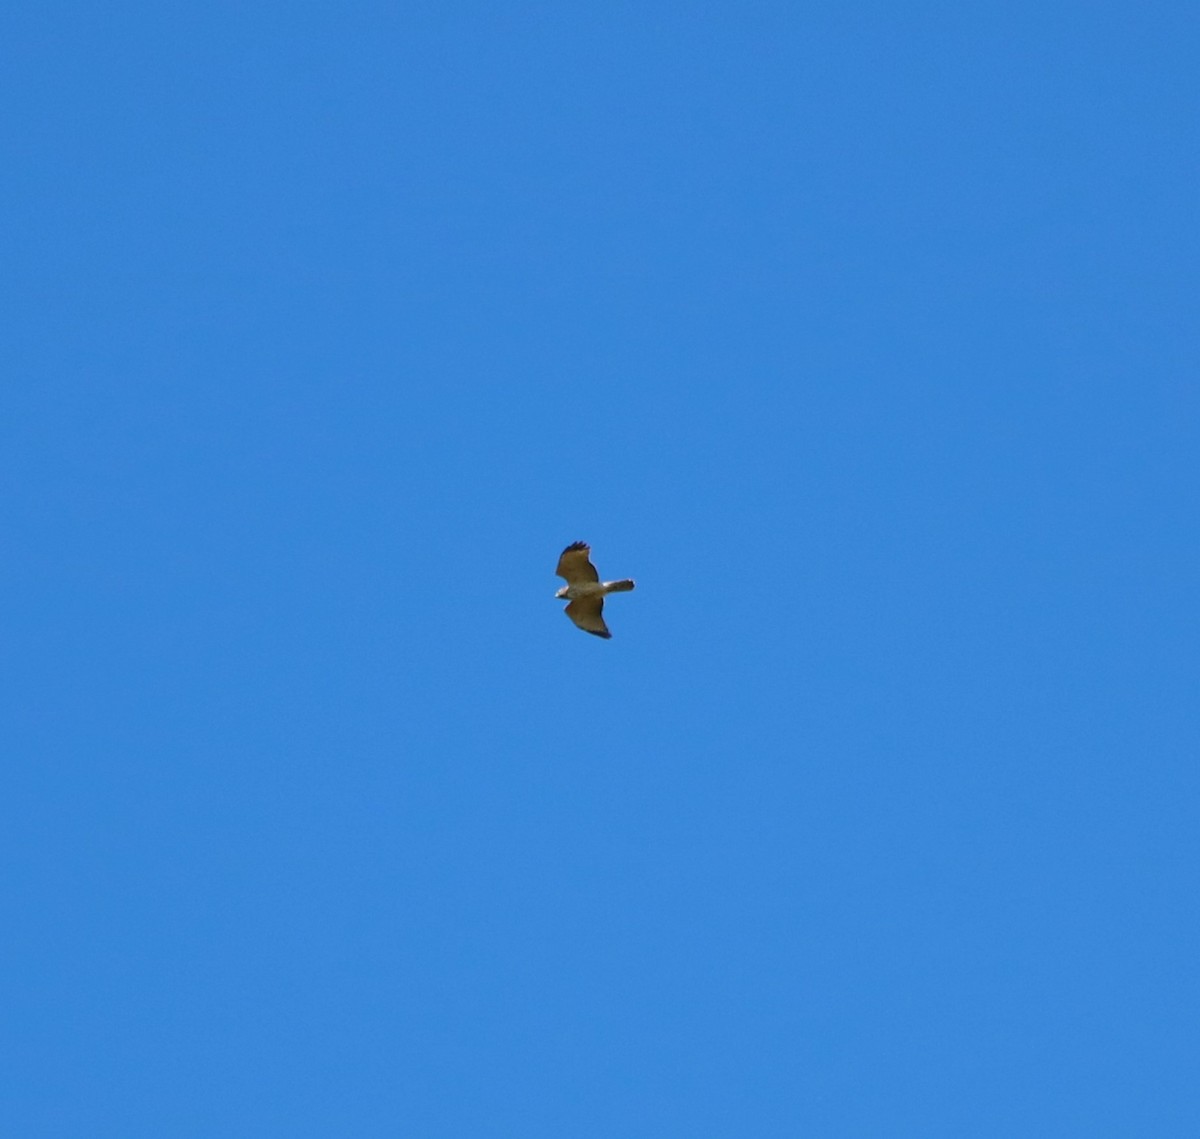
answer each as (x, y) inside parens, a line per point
(584, 589)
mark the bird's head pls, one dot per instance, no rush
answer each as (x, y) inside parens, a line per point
(562, 592)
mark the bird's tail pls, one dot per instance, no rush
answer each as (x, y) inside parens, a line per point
(618, 586)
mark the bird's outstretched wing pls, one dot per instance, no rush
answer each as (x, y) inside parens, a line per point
(574, 565)
(587, 612)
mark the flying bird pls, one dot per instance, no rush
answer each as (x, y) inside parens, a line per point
(584, 589)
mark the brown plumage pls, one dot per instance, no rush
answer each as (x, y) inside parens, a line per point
(584, 589)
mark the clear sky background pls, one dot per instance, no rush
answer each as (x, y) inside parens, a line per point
(862, 335)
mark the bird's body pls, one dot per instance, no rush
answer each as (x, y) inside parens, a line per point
(584, 589)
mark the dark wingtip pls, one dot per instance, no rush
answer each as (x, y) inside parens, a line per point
(577, 546)
(597, 633)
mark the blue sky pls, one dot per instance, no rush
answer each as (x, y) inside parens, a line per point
(863, 336)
